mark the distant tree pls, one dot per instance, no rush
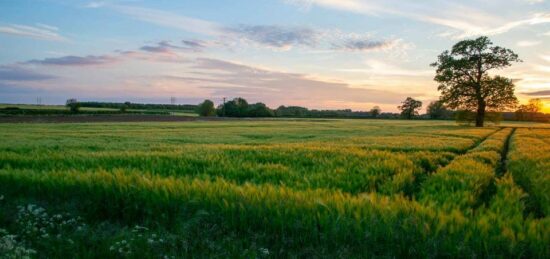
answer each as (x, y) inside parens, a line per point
(437, 110)
(535, 105)
(529, 110)
(409, 108)
(375, 111)
(73, 105)
(125, 106)
(291, 111)
(464, 80)
(237, 107)
(206, 108)
(259, 110)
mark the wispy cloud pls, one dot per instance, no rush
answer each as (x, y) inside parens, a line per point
(17, 73)
(271, 36)
(75, 61)
(534, 1)
(168, 19)
(225, 78)
(95, 4)
(276, 36)
(166, 47)
(375, 67)
(196, 45)
(161, 47)
(538, 93)
(539, 18)
(528, 43)
(41, 31)
(463, 20)
(364, 44)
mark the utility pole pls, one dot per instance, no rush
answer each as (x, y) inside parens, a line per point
(173, 100)
(39, 100)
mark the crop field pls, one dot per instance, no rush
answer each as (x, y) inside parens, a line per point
(274, 188)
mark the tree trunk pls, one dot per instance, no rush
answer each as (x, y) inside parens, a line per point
(480, 116)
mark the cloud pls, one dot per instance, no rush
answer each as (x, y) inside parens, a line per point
(196, 45)
(165, 47)
(47, 27)
(8, 89)
(539, 18)
(169, 19)
(365, 44)
(276, 36)
(75, 61)
(534, 1)
(230, 79)
(527, 43)
(40, 32)
(161, 47)
(538, 93)
(271, 36)
(463, 20)
(16, 73)
(268, 35)
(95, 4)
(381, 68)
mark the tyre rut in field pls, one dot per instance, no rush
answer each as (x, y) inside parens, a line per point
(419, 180)
(500, 170)
(467, 181)
(533, 206)
(502, 167)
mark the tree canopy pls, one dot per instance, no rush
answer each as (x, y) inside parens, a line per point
(464, 80)
(73, 105)
(206, 108)
(409, 108)
(529, 110)
(375, 111)
(239, 107)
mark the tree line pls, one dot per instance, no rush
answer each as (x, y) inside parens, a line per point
(409, 109)
(239, 107)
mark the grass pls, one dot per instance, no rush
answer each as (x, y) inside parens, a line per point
(274, 188)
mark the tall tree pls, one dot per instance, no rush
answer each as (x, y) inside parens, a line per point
(464, 80)
(528, 111)
(206, 108)
(73, 105)
(409, 108)
(259, 110)
(375, 111)
(237, 107)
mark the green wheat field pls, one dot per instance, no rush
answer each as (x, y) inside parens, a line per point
(274, 189)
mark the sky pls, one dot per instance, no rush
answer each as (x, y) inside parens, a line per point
(322, 54)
